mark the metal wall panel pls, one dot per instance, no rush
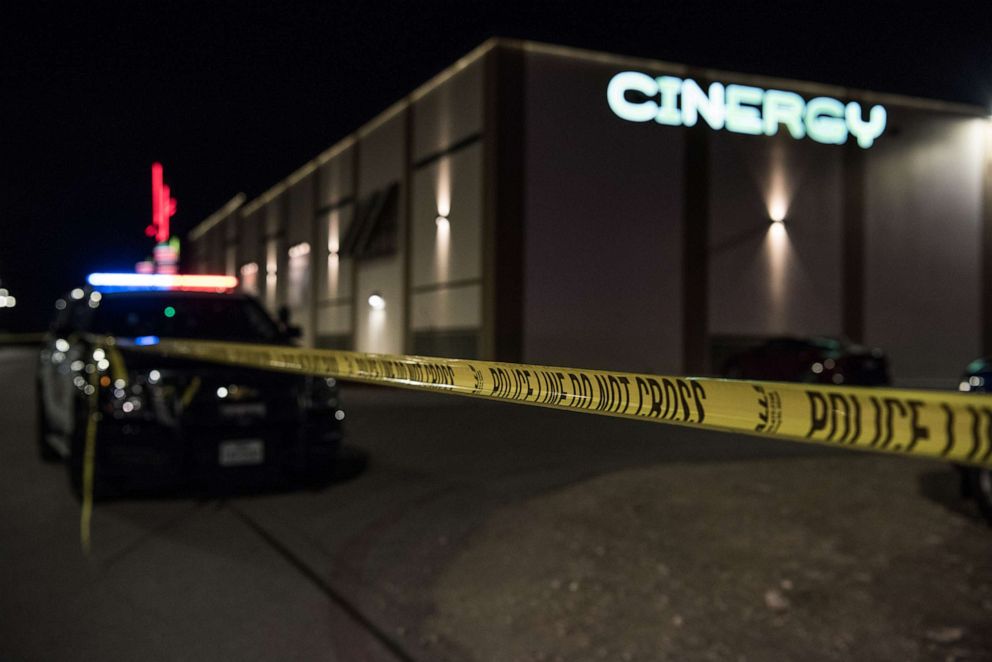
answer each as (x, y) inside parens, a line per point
(767, 279)
(602, 226)
(381, 164)
(449, 113)
(336, 178)
(923, 245)
(448, 308)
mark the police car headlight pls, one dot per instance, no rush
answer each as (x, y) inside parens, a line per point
(129, 398)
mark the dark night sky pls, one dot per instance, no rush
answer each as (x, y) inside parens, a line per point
(233, 96)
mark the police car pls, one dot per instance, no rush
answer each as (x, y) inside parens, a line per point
(164, 422)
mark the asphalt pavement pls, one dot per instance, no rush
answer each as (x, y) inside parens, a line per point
(488, 531)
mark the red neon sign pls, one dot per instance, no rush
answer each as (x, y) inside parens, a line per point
(163, 207)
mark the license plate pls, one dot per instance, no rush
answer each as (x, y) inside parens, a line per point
(241, 452)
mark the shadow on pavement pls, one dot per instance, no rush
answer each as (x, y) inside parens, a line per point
(945, 489)
(351, 463)
(187, 501)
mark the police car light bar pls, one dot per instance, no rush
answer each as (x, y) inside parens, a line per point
(161, 281)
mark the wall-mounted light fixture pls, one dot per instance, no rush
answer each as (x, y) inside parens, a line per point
(776, 211)
(376, 302)
(442, 222)
(299, 250)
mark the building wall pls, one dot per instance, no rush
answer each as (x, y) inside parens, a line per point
(336, 209)
(215, 240)
(196, 254)
(274, 241)
(251, 254)
(299, 260)
(923, 245)
(230, 227)
(610, 209)
(450, 113)
(334, 279)
(770, 279)
(446, 254)
(446, 271)
(287, 245)
(603, 238)
(381, 163)
(603, 226)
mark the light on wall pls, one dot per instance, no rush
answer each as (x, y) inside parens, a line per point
(779, 186)
(443, 188)
(778, 257)
(442, 247)
(376, 302)
(299, 250)
(333, 234)
(778, 206)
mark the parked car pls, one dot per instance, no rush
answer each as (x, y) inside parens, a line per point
(977, 483)
(810, 360)
(169, 421)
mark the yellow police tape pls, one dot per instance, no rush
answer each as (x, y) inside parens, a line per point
(89, 456)
(931, 424)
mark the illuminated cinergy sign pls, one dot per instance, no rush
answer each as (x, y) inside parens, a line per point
(638, 97)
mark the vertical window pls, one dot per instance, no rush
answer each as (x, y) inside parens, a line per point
(375, 228)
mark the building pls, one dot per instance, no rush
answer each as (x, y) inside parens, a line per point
(566, 207)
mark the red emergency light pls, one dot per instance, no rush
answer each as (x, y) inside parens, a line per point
(129, 281)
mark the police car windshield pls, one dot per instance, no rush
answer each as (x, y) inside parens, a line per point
(183, 315)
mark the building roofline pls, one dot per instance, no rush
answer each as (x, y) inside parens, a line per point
(919, 103)
(216, 217)
(370, 126)
(482, 49)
